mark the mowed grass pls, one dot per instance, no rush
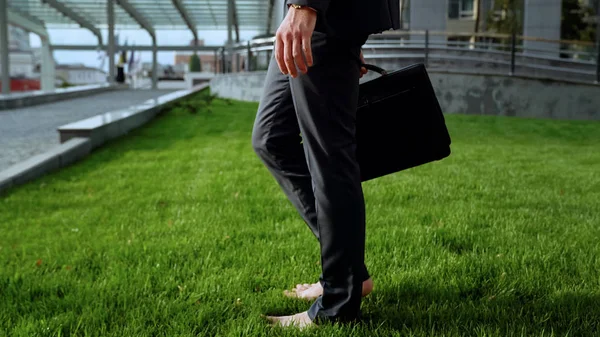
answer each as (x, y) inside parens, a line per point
(179, 230)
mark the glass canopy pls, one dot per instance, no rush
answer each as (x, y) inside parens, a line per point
(160, 14)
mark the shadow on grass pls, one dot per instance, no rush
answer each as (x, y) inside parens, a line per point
(472, 313)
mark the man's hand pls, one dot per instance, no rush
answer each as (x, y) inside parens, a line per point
(363, 70)
(292, 41)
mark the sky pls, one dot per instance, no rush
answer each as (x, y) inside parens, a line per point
(133, 37)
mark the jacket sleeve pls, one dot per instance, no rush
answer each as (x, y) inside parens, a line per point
(319, 5)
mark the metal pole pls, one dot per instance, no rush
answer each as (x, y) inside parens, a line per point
(4, 48)
(154, 64)
(402, 2)
(249, 59)
(513, 52)
(110, 12)
(223, 62)
(48, 67)
(598, 56)
(229, 34)
(426, 48)
(598, 42)
(216, 62)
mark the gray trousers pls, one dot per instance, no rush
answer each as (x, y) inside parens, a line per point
(305, 135)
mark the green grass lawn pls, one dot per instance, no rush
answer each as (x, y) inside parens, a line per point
(179, 230)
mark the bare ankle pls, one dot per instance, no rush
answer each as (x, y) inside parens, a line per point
(367, 287)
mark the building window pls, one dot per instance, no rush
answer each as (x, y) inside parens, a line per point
(461, 9)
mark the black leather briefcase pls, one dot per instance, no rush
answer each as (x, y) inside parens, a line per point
(399, 122)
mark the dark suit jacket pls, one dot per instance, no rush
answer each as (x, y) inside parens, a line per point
(353, 20)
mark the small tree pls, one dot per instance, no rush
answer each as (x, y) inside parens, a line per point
(195, 65)
(506, 17)
(577, 21)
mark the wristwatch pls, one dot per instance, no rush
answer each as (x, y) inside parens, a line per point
(295, 6)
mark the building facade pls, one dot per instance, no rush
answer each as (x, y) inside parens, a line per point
(209, 61)
(20, 55)
(79, 74)
(18, 39)
(541, 18)
(22, 61)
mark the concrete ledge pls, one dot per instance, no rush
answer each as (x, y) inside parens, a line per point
(5, 182)
(197, 78)
(468, 93)
(20, 100)
(102, 128)
(72, 151)
(57, 157)
(80, 138)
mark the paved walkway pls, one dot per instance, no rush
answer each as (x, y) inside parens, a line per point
(29, 131)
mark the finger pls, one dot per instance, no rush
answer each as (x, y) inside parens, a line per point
(288, 58)
(279, 47)
(297, 54)
(307, 49)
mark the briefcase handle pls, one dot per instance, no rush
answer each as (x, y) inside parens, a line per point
(375, 68)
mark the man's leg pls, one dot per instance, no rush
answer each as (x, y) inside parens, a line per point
(325, 101)
(276, 139)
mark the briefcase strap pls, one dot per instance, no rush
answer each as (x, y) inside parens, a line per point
(372, 67)
(375, 68)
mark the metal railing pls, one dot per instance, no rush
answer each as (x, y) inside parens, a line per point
(470, 52)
